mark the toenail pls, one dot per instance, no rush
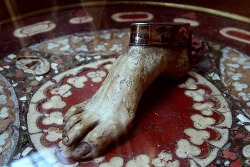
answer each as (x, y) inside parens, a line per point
(82, 149)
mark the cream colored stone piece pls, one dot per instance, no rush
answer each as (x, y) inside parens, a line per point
(116, 47)
(108, 66)
(80, 20)
(201, 122)
(98, 159)
(40, 65)
(165, 159)
(214, 76)
(246, 151)
(4, 112)
(114, 162)
(121, 91)
(106, 35)
(24, 98)
(247, 127)
(205, 108)
(243, 119)
(53, 134)
(53, 118)
(67, 48)
(100, 47)
(38, 78)
(189, 84)
(96, 76)
(26, 151)
(193, 23)
(34, 29)
(139, 161)
(11, 56)
(52, 45)
(197, 95)
(63, 90)
(54, 102)
(185, 149)
(197, 137)
(80, 58)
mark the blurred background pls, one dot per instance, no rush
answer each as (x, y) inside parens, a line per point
(11, 9)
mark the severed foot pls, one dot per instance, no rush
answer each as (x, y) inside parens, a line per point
(92, 125)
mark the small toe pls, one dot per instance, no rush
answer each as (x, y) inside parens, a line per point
(76, 109)
(73, 120)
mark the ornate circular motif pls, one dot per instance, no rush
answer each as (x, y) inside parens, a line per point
(178, 122)
(9, 121)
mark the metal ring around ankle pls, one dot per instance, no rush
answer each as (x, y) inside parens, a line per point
(160, 34)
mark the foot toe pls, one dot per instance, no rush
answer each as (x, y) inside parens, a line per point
(73, 120)
(81, 150)
(78, 131)
(76, 109)
(96, 141)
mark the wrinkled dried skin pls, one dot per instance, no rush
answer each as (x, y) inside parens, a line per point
(93, 124)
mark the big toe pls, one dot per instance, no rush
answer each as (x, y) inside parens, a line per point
(81, 150)
(96, 141)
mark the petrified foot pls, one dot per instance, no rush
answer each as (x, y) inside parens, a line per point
(93, 124)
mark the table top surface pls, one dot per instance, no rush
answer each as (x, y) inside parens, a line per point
(49, 47)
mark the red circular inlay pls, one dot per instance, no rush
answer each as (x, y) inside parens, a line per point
(163, 114)
(133, 16)
(239, 35)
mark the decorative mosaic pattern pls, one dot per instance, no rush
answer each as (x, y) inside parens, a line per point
(9, 121)
(87, 45)
(235, 69)
(62, 55)
(205, 124)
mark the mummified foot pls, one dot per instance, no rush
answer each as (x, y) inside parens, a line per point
(92, 125)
